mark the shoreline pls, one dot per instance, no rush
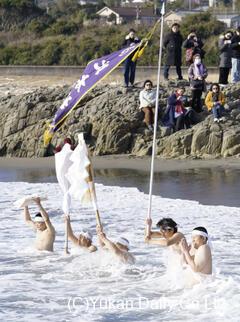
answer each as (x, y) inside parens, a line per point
(124, 162)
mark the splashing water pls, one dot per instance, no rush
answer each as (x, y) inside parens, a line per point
(96, 287)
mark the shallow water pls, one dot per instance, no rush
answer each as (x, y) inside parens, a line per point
(94, 287)
(217, 186)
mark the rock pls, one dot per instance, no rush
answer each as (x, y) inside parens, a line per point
(165, 131)
(112, 123)
(230, 140)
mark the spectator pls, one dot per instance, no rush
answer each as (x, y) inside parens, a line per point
(214, 101)
(129, 65)
(176, 116)
(225, 49)
(197, 73)
(173, 44)
(147, 99)
(236, 56)
(193, 45)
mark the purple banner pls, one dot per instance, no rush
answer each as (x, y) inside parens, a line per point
(93, 73)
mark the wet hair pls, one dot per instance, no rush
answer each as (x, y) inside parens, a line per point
(175, 25)
(167, 222)
(38, 215)
(203, 229)
(147, 81)
(215, 84)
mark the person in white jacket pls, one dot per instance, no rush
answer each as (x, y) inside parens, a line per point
(147, 103)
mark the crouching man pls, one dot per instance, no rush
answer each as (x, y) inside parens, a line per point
(201, 260)
(45, 232)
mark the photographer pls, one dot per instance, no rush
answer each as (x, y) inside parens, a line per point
(193, 45)
(225, 49)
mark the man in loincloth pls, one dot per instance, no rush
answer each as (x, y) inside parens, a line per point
(199, 257)
(120, 248)
(84, 240)
(45, 232)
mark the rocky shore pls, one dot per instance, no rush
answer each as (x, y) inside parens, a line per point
(112, 124)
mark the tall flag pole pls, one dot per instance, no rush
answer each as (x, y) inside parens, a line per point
(156, 115)
(95, 71)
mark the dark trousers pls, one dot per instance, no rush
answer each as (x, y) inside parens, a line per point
(178, 70)
(182, 121)
(223, 75)
(197, 100)
(129, 71)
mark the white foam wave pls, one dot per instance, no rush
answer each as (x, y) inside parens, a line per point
(92, 287)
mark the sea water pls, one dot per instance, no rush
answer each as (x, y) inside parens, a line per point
(43, 286)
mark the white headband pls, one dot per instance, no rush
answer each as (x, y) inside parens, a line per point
(168, 227)
(199, 233)
(123, 241)
(86, 234)
(39, 219)
(196, 232)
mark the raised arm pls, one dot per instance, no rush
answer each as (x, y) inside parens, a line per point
(107, 243)
(71, 235)
(175, 239)
(44, 215)
(197, 264)
(149, 233)
(28, 218)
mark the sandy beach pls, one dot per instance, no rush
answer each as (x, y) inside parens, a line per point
(125, 162)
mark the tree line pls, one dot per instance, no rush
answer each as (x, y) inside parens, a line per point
(70, 34)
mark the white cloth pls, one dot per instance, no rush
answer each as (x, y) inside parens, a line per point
(26, 201)
(77, 173)
(196, 232)
(62, 164)
(147, 98)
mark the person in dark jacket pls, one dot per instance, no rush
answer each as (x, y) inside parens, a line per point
(236, 56)
(176, 116)
(193, 45)
(225, 48)
(173, 44)
(129, 65)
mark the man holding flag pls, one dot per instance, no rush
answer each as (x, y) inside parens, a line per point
(129, 64)
(84, 240)
(119, 248)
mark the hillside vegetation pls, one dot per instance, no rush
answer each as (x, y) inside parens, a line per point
(70, 34)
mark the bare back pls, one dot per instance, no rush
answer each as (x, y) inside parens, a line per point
(203, 259)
